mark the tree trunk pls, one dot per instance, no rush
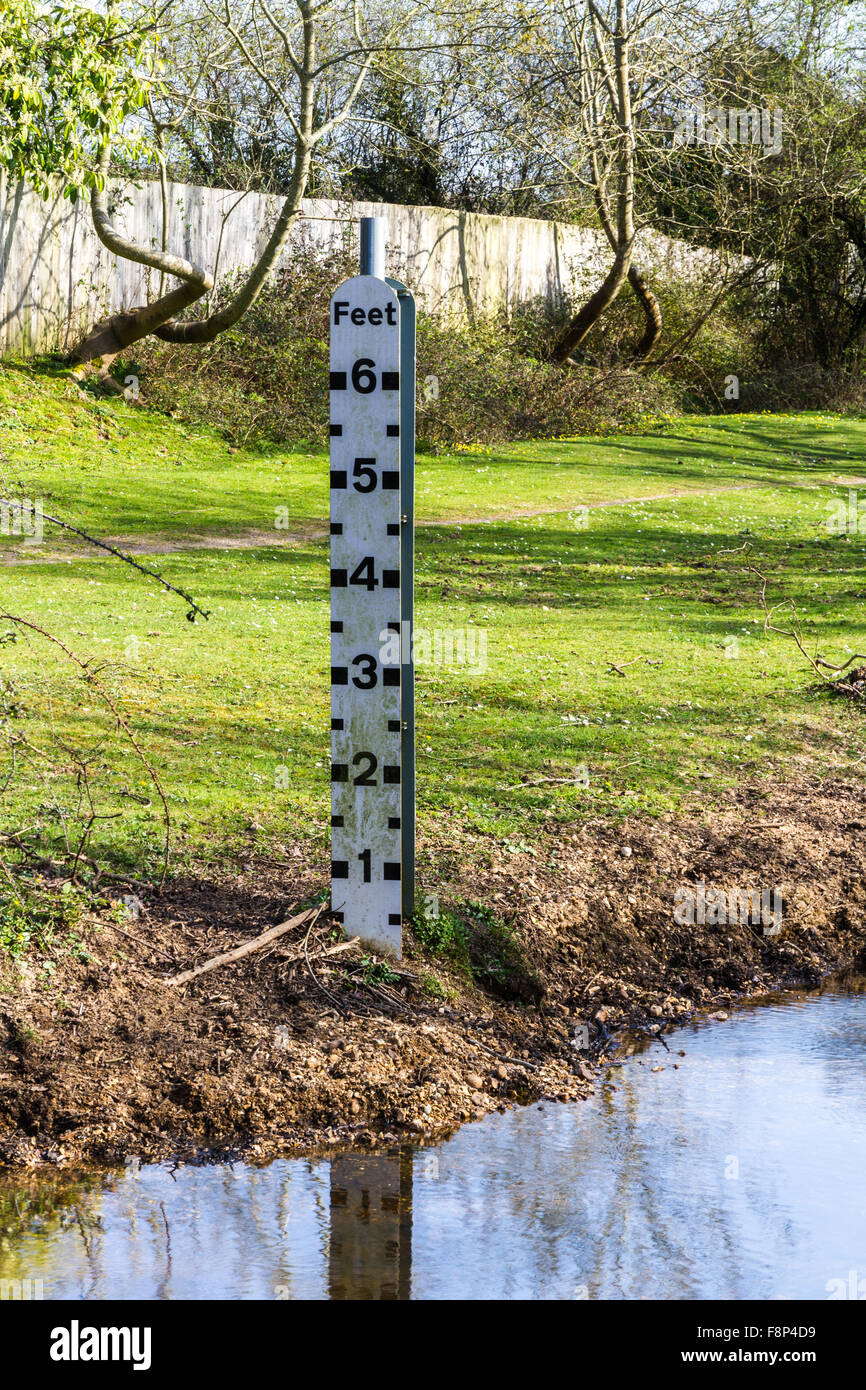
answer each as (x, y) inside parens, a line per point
(594, 307)
(649, 304)
(651, 311)
(622, 236)
(114, 334)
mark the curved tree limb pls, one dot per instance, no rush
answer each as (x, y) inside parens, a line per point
(162, 319)
(110, 337)
(172, 330)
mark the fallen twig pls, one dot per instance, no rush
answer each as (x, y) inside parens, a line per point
(579, 780)
(341, 946)
(306, 952)
(817, 662)
(612, 665)
(192, 606)
(502, 1056)
(240, 951)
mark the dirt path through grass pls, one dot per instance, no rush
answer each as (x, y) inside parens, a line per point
(258, 539)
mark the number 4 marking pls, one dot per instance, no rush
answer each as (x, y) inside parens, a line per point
(364, 575)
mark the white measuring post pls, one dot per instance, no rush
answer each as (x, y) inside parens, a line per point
(370, 683)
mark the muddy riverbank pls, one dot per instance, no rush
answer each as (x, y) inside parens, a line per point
(728, 1162)
(291, 1050)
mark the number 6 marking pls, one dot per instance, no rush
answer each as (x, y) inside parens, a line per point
(363, 379)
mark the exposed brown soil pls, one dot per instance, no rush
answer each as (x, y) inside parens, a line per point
(257, 1058)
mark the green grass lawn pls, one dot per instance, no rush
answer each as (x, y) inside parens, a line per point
(117, 468)
(234, 711)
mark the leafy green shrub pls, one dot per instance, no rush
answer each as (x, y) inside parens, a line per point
(378, 972)
(442, 935)
(488, 387)
(485, 382)
(805, 386)
(267, 378)
(37, 917)
(433, 987)
(474, 941)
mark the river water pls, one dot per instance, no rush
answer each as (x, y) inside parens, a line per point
(737, 1171)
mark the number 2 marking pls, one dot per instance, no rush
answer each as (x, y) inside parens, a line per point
(367, 778)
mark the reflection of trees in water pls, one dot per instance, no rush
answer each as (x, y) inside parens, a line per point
(34, 1210)
(35, 1203)
(649, 1233)
(676, 1224)
(629, 1195)
(510, 1207)
(160, 1233)
(762, 1090)
(166, 1233)
(233, 1227)
(844, 1040)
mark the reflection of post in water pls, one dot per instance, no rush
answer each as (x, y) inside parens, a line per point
(371, 1226)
